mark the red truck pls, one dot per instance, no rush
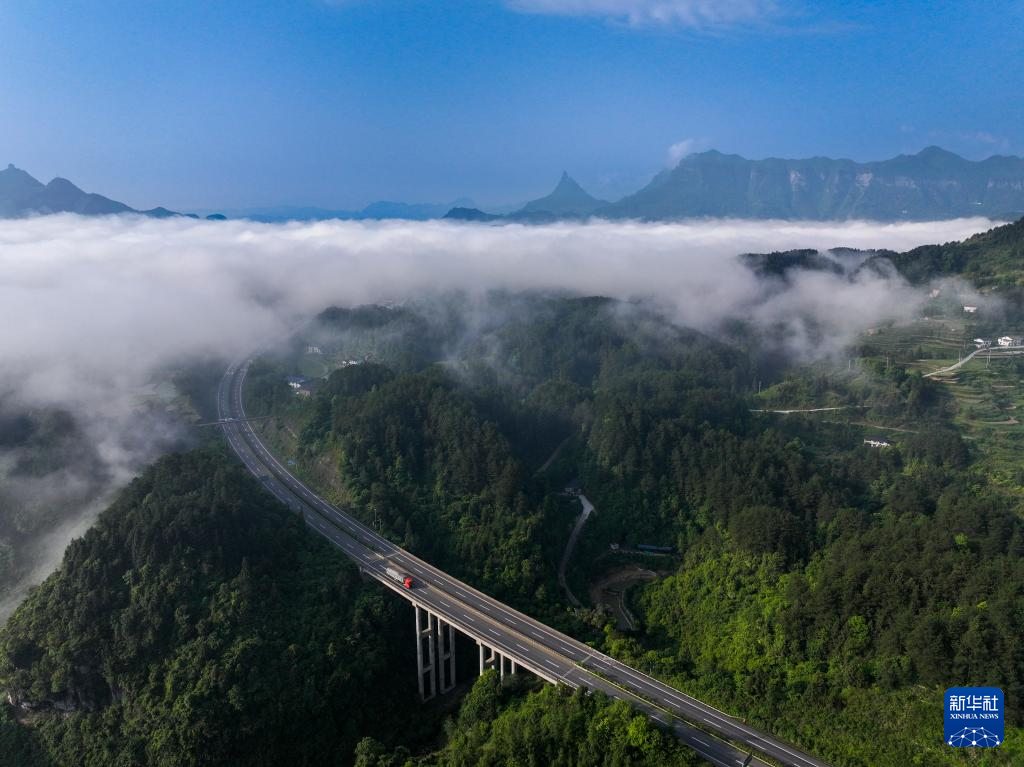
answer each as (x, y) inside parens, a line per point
(404, 578)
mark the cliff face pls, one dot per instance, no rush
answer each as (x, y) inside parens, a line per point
(932, 184)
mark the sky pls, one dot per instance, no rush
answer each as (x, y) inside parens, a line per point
(337, 103)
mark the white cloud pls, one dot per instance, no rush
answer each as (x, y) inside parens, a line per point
(94, 305)
(692, 14)
(680, 149)
(93, 308)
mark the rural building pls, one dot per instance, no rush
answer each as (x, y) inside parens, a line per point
(971, 309)
(296, 382)
(878, 442)
(1010, 341)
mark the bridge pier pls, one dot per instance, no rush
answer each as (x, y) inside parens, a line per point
(491, 660)
(425, 666)
(446, 655)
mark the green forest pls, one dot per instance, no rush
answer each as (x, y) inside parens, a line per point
(813, 584)
(199, 623)
(820, 588)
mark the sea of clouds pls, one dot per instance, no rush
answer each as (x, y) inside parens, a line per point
(91, 309)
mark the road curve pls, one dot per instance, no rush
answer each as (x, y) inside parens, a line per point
(1000, 351)
(581, 520)
(550, 654)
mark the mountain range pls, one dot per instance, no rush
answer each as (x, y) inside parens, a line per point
(23, 195)
(932, 184)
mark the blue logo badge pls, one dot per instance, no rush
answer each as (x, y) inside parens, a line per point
(974, 717)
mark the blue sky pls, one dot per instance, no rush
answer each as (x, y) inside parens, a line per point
(200, 105)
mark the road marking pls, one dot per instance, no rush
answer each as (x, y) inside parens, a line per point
(360, 535)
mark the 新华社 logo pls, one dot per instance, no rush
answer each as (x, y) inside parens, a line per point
(974, 717)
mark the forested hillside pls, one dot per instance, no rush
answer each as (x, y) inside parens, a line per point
(199, 623)
(995, 257)
(814, 579)
(554, 727)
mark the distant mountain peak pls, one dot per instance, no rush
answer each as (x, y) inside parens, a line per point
(23, 195)
(567, 199)
(568, 185)
(61, 184)
(937, 151)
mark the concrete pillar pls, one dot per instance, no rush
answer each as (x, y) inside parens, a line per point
(515, 669)
(425, 666)
(445, 655)
(489, 658)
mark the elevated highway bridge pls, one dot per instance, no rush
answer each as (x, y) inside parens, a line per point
(507, 640)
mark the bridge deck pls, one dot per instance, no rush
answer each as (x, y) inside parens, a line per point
(550, 654)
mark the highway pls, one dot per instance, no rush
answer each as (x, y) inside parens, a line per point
(556, 657)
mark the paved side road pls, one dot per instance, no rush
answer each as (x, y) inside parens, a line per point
(550, 654)
(999, 351)
(588, 509)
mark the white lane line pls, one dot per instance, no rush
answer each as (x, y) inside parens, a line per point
(514, 621)
(706, 745)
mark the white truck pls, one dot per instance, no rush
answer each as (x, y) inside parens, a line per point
(404, 578)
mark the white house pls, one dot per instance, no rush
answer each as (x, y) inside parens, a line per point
(971, 309)
(877, 443)
(981, 343)
(1010, 341)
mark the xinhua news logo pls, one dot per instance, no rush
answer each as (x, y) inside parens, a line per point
(974, 717)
